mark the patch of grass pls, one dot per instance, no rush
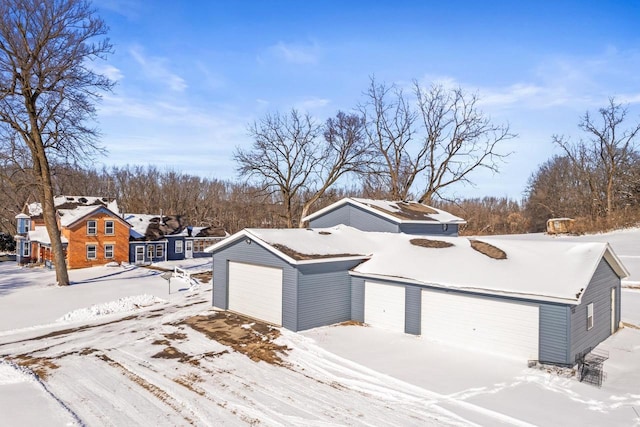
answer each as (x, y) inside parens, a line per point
(488, 250)
(250, 337)
(429, 243)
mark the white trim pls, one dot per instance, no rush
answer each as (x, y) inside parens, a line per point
(113, 227)
(95, 250)
(136, 253)
(95, 227)
(113, 250)
(613, 310)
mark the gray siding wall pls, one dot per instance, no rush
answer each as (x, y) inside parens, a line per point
(598, 292)
(430, 229)
(554, 334)
(324, 294)
(369, 221)
(332, 218)
(413, 309)
(253, 253)
(357, 299)
(356, 218)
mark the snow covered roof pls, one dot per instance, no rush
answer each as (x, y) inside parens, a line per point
(70, 216)
(139, 223)
(557, 271)
(71, 202)
(40, 235)
(397, 211)
(304, 246)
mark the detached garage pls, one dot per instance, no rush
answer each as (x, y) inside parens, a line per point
(258, 273)
(531, 300)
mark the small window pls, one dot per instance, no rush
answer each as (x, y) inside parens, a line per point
(178, 246)
(92, 227)
(159, 251)
(590, 316)
(92, 252)
(109, 229)
(150, 251)
(445, 227)
(108, 251)
(26, 249)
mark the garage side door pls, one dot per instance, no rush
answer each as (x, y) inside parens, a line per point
(256, 291)
(508, 328)
(384, 306)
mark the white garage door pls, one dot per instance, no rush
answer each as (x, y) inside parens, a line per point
(256, 291)
(384, 306)
(486, 324)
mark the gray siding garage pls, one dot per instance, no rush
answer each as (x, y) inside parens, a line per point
(522, 328)
(357, 213)
(258, 281)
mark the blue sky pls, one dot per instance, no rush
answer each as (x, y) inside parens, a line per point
(193, 74)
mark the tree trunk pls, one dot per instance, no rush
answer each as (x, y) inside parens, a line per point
(41, 168)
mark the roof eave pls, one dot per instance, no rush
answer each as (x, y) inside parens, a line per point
(482, 291)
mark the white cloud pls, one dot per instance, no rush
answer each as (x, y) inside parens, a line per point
(312, 103)
(157, 69)
(296, 53)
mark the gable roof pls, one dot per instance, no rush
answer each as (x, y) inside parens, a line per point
(557, 271)
(399, 212)
(304, 246)
(69, 217)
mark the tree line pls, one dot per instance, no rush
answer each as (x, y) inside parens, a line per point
(398, 143)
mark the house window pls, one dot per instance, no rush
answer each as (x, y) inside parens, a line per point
(92, 252)
(92, 227)
(24, 225)
(159, 251)
(445, 227)
(108, 251)
(26, 249)
(150, 251)
(589, 316)
(178, 246)
(109, 228)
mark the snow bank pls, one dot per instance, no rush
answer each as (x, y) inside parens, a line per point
(111, 307)
(11, 373)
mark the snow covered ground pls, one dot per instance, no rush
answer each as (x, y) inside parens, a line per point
(119, 347)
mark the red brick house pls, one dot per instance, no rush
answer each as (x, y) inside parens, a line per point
(92, 230)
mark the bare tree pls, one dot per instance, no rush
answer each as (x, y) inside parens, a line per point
(458, 138)
(444, 137)
(48, 91)
(345, 150)
(290, 159)
(283, 156)
(390, 122)
(601, 157)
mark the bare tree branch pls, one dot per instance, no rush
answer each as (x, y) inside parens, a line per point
(48, 92)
